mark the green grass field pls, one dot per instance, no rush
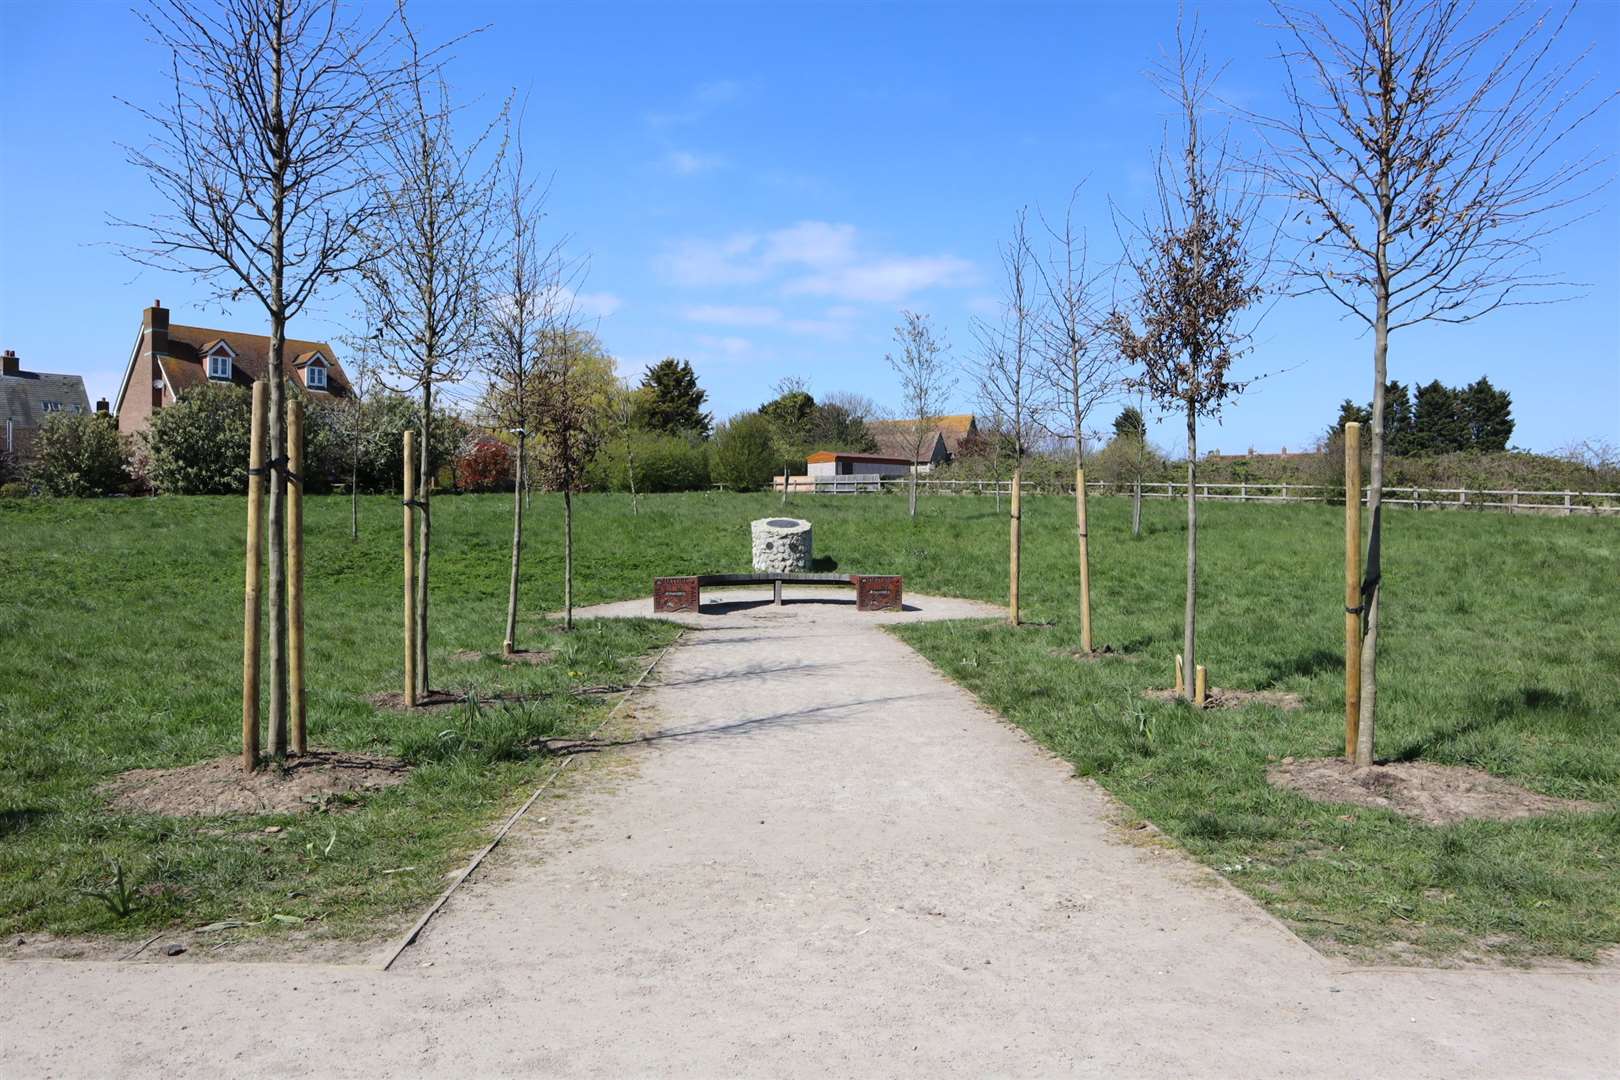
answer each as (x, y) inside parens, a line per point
(119, 647)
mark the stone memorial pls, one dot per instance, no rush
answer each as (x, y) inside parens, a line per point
(781, 545)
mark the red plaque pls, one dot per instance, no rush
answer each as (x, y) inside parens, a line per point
(875, 592)
(675, 594)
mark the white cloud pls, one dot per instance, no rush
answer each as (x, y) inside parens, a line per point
(689, 163)
(733, 315)
(886, 280)
(730, 347)
(813, 258)
(699, 103)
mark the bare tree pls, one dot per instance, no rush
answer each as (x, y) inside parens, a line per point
(525, 293)
(259, 158)
(424, 288)
(362, 372)
(1006, 370)
(926, 382)
(1078, 364)
(1428, 155)
(1007, 360)
(1195, 277)
(573, 381)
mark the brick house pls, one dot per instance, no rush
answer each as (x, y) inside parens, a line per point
(28, 397)
(169, 359)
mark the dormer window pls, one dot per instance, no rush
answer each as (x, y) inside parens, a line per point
(315, 375)
(219, 365)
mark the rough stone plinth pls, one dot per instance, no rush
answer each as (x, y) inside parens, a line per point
(782, 545)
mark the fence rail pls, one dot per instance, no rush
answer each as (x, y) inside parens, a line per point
(1425, 498)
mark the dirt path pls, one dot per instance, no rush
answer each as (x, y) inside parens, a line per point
(822, 857)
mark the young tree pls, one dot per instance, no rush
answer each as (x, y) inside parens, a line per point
(423, 288)
(351, 421)
(259, 157)
(1195, 277)
(572, 390)
(1429, 154)
(1006, 371)
(926, 381)
(673, 401)
(527, 296)
(1079, 366)
(792, 414)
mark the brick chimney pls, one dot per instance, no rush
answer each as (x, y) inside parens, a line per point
(155, 324)
(9, 364)
(155, 335)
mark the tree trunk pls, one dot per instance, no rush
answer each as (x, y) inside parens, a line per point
(1370, 591)
(568, 559)
(424, 486)
(276, 527)
(630, 471)
(509, 645)
(354, 496)
(1136, 508)
(911, 491)
(1190, 623)
(1085, 558)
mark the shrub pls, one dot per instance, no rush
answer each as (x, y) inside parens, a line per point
(484, 464)
(14, 489)
(329, 441)
(78, 454)
(662, 463)
(744, 453)
(199, 445)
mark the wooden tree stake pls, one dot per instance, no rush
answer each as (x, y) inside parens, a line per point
(250, 592)
(1352, 588)
(1085, 560)
(410, 569)
(295, 574)
(1201, 687)
(1012, 566)
(1181, 684)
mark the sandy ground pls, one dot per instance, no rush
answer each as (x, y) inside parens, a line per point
(821, 857)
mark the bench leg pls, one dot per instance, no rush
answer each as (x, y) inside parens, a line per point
(877, 593)
(776, 593)
(672, 594)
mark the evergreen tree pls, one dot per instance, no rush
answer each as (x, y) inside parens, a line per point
(1130, 425)
(1399, 431)
(1487, 415)
(1437, 421)
(673, 402)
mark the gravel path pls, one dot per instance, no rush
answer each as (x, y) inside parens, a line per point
(819, 857)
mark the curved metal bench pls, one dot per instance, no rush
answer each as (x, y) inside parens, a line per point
(873, 592)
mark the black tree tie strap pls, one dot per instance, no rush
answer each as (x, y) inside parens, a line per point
(413, 502)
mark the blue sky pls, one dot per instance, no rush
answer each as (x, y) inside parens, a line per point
(762, 188)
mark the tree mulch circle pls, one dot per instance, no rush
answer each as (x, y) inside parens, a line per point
(320, 779)
(435, 699)
(1220, 698)
(536, 657)
(1431, 793)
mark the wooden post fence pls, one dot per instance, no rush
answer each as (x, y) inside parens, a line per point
(1352, 588)
(295, 574)
(250, 591)
(410, 569)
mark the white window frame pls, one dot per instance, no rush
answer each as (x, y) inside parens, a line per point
(219, 365)
(315, 375)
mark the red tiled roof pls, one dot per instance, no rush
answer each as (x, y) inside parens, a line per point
(185, 367)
